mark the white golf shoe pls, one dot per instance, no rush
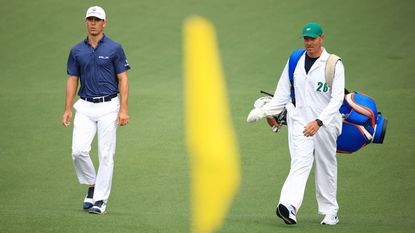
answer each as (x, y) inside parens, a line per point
(98, 208)
(330, 219)
(88, 203)
(287, 213)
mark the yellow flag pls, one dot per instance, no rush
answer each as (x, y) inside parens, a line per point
(211, 142)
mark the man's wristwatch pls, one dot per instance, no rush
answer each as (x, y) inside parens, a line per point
(319, 122)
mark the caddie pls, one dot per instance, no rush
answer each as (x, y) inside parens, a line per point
(314, 123)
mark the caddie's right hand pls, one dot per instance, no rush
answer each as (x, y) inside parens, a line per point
(256, 114)
(66, 118)
(275, 125)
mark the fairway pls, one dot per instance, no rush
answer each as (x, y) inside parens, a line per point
(39, 191)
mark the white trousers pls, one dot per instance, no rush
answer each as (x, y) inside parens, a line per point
(319, 149)
(91, 118)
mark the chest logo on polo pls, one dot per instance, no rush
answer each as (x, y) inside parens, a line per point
(322, 87)
(103, 57)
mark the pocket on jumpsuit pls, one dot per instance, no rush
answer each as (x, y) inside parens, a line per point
(293, 121)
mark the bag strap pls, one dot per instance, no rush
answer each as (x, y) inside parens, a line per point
(292, 63)
(330, 68)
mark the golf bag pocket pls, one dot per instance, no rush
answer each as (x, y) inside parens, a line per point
(352, 138)
(361, 110)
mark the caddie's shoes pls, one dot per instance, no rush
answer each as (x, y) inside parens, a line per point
(88, 201)
(98, 208)
(330, 219)
(287, 213)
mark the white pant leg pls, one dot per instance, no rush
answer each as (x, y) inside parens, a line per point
(83, 133)
(301, 151)
(107, 128)
(326, 170)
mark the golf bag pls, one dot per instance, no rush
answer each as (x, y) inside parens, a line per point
(362, 123)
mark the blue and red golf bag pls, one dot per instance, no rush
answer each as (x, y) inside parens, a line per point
(362, 123)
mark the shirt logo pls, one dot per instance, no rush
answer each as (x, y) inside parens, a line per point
(103, 57)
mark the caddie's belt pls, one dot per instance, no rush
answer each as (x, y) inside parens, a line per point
(100, 99)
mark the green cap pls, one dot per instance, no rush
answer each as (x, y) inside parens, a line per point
(312, 30)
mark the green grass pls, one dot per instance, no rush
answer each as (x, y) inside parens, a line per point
(38, 187)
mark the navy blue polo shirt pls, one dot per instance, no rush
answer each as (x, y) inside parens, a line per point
(97, 68)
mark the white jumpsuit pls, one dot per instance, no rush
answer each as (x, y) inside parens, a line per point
(314, 100)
